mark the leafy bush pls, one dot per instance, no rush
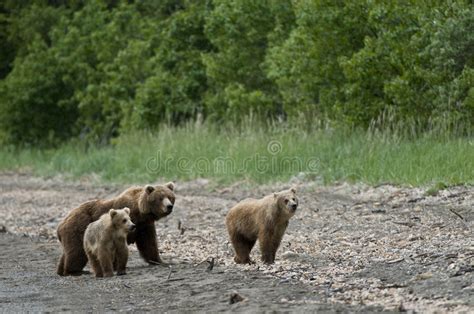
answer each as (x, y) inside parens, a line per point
(239, 31)
(175, 88)
(98, 69)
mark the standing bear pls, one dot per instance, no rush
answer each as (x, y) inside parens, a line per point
(147, 205)
(105, 242)
(264, 219)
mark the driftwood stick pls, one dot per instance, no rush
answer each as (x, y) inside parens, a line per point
(456, 213)
(158, 263)
(169, 274)
(211, 264)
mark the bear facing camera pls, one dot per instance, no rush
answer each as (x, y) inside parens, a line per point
(105, 242)
(264, 219)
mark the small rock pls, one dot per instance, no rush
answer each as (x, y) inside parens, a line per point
(235, 297)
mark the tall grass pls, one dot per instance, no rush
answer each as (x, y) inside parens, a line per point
(258, 155)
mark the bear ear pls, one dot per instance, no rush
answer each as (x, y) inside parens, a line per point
(170, 185)
(127, 210)
(112, 213)
(293, 189)
(275, 195)
(149, 189)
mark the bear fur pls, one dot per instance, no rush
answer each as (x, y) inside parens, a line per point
(264, 219)
(105, 242)
(147, 205)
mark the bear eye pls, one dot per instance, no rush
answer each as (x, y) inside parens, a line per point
(286, 201)
(124, 221)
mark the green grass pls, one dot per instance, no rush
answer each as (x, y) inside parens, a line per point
(257, 155)
(434, 190)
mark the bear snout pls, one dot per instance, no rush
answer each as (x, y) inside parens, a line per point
(293, 207)
(132, 227)
(169, 208)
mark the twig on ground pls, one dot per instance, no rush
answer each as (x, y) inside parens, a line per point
(176, 279)
(417, 199)
(158, 263)
(450, 255)
(211, 264)
(181, 228)
(201, 262)
(456, 213)
(405, 223)
(395, 260)
(198, 236)
(169, 274)
(393, 285)
(425, 254)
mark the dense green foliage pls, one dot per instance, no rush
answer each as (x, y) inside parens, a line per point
(98, 69)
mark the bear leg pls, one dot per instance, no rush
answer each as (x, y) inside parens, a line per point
(121, 259)
(268, 247)
(74, 258)
(106, 264)
(147, 244)
(74, 262)
(95, 265)
(60, 269)
(242, 247)
(269, 243)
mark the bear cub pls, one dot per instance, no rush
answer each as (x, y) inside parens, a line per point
(105, 242)
(264, 219)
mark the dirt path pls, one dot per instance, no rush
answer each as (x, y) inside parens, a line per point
(349, 248)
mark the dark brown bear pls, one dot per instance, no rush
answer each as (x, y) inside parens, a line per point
(262, 219)
(147, 205)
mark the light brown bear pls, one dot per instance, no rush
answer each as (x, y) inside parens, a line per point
(264, 219)
(147, 205)
(105, 242)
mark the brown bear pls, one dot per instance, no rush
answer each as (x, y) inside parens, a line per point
(147, 205)
(105, 242)
(264, 219)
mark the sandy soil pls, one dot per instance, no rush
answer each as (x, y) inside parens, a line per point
(349, 248)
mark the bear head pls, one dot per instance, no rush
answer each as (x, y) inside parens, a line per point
(157, 200)
(121, 219)
(287, 201)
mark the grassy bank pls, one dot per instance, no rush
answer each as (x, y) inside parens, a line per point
(258, 155)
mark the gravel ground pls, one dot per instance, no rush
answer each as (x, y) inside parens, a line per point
(348, 248)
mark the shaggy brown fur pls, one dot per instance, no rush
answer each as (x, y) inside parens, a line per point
(147, 205)
(264, 219)
(105, 242)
